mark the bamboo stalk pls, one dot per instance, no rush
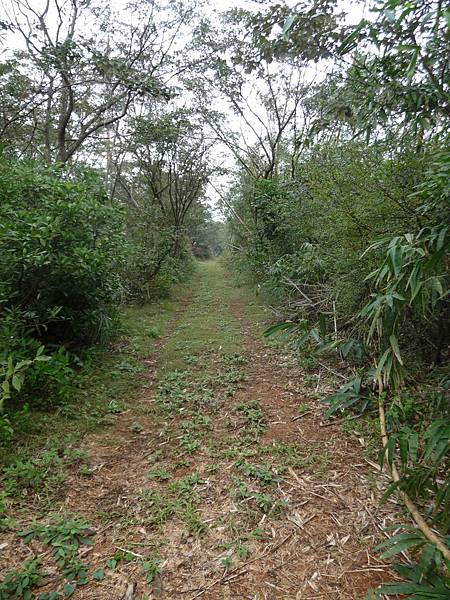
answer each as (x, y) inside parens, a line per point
(418, 519)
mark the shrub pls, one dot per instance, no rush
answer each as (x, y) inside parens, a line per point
(61, 247)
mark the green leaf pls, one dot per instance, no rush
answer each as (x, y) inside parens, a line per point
(395, 254)
(98, 575)
(68, 590)
(412, 64)
(407, 540)
(287, 25)
(351, 40)
(6, 389)
(21, 364)
(446, 14)
(381, 363)
(277, 328)
(395, 347)
(17, 381)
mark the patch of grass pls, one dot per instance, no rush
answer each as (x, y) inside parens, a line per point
(193, 431)
(153, 333)
(120, 556)
(254, 420)
(190, 442)
(307, 362)
(98, 395)
(281, 455)
(75, 456)
(159, 473)
(172, 392)
(203, 397)
(183, 487)
(178, 500)
(310, 380)
(136, 427)
(197, 422)
(265, 503)
(158, 507)
(312, 457)
(43, 473)
(366, 428)
(232, 448)
(155, 457)
(151, 568)
(235, 548)
(263, 473)
(64, 537)
(199, 324)
(303, 408)
(85, 471)
(127, 365)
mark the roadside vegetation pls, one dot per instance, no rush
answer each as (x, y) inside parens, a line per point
(122, 132)
(340, 215)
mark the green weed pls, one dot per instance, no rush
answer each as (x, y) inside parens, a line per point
(254, 420)
(151, 568)
(19, 583)
(265, 503)
(160, 473)
(43, 473)
(177, 501)
(263, 473)
(64, 537)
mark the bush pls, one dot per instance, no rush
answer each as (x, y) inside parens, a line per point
(311, 230)
(156, 257)
(61, 244)
(61, 247)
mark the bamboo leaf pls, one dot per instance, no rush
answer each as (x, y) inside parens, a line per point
(395, 348)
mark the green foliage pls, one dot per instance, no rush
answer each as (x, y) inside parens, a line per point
(65, 538)
(179, 501)
(19, 583)
(62, 244)
(265, 503)
(254, 419)
(40, 473)
(12, 377)
(262, 473)
(406, 82)
(418, 584)
(151, 568)
(412, 280)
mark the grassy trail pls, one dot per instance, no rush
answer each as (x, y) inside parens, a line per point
(211, 476)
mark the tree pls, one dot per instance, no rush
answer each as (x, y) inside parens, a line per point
(172, 156)
(266, 97)
(87, 69)
(401, 64)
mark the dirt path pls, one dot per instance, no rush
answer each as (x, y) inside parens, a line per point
(219, 480)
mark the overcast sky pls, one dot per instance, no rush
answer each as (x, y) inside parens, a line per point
(354, 10)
